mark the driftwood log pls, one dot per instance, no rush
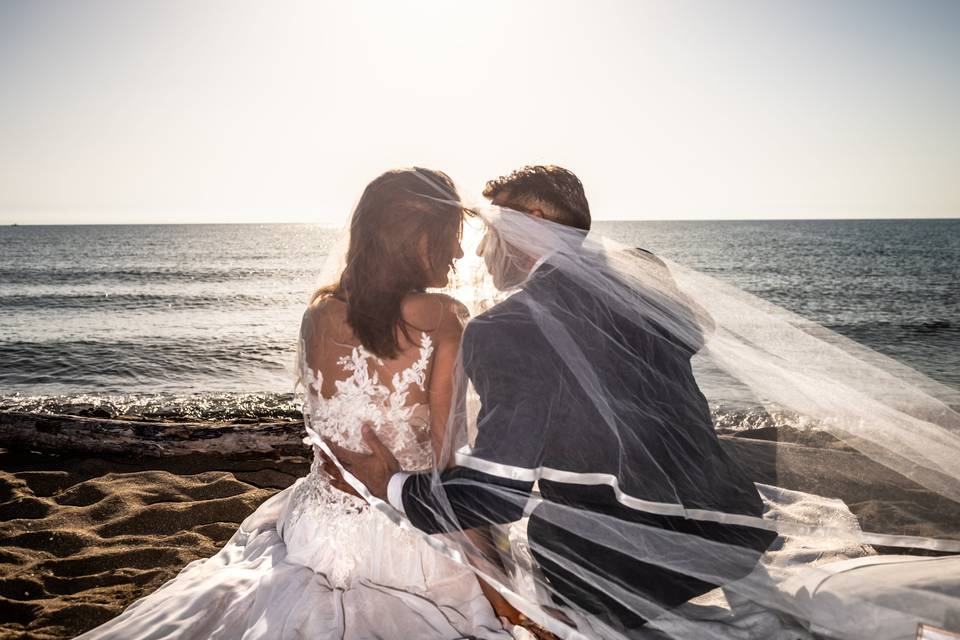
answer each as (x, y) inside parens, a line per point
(142, 438)
(62, 434)
(764, 460)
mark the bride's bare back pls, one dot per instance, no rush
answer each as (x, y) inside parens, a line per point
(417, 381)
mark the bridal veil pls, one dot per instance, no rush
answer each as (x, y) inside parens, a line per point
(625, 399)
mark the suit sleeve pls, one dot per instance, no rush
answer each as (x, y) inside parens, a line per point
(508, 372)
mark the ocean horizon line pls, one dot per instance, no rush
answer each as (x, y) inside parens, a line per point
(334, 227)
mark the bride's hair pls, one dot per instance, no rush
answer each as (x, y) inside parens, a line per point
(384, 261)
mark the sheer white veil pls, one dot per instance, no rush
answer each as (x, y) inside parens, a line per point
(583, 446)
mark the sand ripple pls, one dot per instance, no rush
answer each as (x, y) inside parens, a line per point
(81, 539)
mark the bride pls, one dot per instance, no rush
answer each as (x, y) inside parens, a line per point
(313, 561)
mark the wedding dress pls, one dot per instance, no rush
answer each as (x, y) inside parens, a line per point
(314, 562)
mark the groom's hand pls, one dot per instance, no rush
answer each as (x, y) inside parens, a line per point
(372, 469)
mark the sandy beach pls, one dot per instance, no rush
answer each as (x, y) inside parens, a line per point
(81, 538)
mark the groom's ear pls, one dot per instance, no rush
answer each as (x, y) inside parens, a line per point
(540, 209)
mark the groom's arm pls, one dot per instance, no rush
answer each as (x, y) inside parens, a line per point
(461, 498)
(493, 485)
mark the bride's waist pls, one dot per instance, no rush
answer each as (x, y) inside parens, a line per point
(314, 492)
(346, 539)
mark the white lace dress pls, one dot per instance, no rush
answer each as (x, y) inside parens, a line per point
(313, 562)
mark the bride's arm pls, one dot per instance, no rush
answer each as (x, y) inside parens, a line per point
(444, 387)
(446, 340)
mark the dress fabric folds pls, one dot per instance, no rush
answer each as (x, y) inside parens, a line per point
(314, 562)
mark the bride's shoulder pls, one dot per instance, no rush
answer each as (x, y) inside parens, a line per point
(323, 314)
(325, 308)
(433, 311)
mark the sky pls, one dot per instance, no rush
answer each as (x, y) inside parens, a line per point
(128, 111)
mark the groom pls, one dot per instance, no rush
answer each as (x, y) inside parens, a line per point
(549, 429)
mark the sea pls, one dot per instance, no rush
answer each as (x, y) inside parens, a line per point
(200, 321)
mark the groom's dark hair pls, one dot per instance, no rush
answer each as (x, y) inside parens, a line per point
(556, 186)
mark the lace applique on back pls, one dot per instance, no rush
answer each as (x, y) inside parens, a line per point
(360, 398)
(363, 398)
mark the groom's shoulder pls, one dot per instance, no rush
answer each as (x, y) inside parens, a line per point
(513, 307)
(506, 319)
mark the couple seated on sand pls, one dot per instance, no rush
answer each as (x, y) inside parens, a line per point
(552, 455)
(538, 422)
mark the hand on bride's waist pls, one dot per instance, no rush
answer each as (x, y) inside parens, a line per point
(373, 469)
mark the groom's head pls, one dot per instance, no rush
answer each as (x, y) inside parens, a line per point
(548, 192)
(544, 191)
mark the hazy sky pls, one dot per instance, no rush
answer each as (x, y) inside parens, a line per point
(128, 111)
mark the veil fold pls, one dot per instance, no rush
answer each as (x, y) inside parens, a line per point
(585, 453)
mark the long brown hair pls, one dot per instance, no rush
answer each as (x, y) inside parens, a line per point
(384, 262)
